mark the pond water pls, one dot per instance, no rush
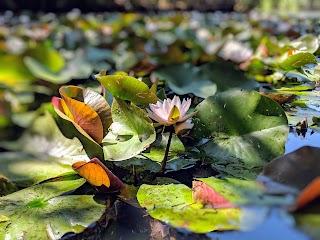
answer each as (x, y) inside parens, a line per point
(297, 139)
(277, 224)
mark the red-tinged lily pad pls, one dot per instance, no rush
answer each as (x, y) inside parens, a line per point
(173, 204)
(203, 193)
(127, 88)
(241, 192)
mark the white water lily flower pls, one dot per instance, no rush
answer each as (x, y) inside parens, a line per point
(170, 112)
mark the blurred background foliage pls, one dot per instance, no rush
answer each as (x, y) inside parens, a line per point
(155, 5)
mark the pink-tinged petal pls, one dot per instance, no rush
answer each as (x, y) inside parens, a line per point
(167, 107)
(183, 126)
(188, 116)
(185, 106)
(156, 117)
(176, 102)
(158, 111)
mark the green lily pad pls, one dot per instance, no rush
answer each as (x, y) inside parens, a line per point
(297, 60)
(76, 68)
(185, 78)
(173, 204)
(13, 71)
(157, 150)
(130, 133)
(49, 57)
(44, 137)
(26, 170)
(127, 88)
(245, 130)
(246, 192)
(308, 43)
(39, 212)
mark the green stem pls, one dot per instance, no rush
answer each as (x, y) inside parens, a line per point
(165, 158)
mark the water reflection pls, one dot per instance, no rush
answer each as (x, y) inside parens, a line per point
(298, 139)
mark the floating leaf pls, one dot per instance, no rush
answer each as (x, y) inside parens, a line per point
(49, 57)
(203, 193)
(44, 132)
(130, 133)
(75, 68)
(13, 71)
(97, 174)
(297, 60)
(174, 205)
(184, 78)
(157, 150)
(246, 130)
(127, 88)
(241, 192)
(39, 212)
(26, 170)
(307, 42)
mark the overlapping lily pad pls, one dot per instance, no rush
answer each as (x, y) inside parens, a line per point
(39, 212)
(245, 131)
(130, 133)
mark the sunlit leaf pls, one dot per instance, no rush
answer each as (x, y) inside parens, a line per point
(97, 174)
(39, 212)
(130, 133)
(127, 88)
(84, 118)
(94, 100)
(13, 71)
(307, 42)
(297, 60)
(174, 205)
(246, 130)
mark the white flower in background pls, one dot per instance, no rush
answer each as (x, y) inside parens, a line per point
(37, 33)
(171, 112)
(235, 51)
(203, 34)
(15, 45)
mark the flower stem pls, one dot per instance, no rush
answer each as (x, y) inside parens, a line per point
(165, 158)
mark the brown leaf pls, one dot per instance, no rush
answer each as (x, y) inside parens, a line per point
(280, 98)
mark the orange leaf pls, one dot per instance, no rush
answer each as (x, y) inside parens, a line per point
(97, 174)
(308, 194)
(203, 193)
(86, 118)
